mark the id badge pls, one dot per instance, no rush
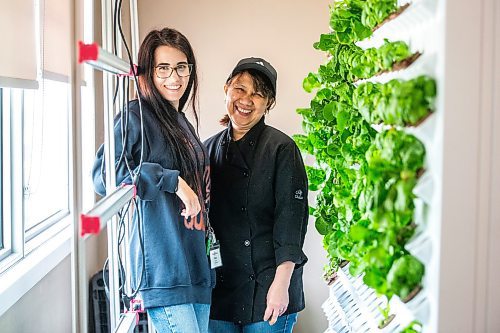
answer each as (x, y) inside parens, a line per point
(215, 258)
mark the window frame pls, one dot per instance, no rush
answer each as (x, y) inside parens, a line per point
(35, 233)
(29, 259)
(1, 174)
(12, 181)
(18, 242)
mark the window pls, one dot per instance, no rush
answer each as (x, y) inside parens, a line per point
(36, 146)
(34, 123)
(10, 101)
(35, 165)
(45, 156)
(1, 172)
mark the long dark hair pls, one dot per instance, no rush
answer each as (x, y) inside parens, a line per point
(176, 138)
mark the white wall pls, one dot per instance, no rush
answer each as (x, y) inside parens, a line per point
(469, 272)
(38, 309)
(222, 32)
(47, 306)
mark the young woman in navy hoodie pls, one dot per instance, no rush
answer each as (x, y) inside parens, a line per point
(159, 151)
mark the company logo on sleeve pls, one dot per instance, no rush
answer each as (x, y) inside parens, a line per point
(298, 195)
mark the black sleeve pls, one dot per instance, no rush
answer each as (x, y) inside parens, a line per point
(291, 210)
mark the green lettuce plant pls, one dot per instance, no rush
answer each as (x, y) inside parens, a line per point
(364, 178)
(354, 20)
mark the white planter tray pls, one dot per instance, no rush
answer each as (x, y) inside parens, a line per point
(425, 132)
(413, 26)
(420, 246)
(424, 189)
(418, 307)
(352, 307)
(424, 65)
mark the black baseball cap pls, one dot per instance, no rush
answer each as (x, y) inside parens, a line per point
(258, 64)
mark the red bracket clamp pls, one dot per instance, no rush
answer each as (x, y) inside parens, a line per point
(136, 306)
(87, 52)
(89, 225)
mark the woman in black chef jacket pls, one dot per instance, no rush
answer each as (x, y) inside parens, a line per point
(258, 210)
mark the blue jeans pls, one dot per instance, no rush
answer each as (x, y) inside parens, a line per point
(284, 324)
(183, 318)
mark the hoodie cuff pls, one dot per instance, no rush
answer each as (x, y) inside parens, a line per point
(170, 180)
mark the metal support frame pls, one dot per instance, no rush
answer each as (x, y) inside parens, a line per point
(78, 279)
(94, 220)
(134, 24)
(102, 60)
(109, 155)
(127, 323)
(105, 210)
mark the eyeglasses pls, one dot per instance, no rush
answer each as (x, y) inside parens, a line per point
(165, 71)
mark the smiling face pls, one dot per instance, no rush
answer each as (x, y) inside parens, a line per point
(173, 87)
(244, 105)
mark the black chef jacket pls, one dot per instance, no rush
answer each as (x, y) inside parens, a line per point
(259, 213)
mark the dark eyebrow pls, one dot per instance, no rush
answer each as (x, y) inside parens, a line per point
(243, 86)
(167, 64)
(239, 85)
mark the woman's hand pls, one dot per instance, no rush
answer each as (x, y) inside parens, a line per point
(189, 198)
(277, 295)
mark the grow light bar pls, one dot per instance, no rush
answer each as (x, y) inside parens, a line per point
(100, 59)
(93, 221)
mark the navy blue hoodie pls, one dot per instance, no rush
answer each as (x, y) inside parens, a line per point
(176, 267)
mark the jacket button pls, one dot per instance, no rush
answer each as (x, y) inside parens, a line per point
(251, 143)
(246, 242)
(252, 277)
(245, 174)
(243, 209)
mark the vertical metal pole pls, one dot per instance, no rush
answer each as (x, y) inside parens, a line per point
(120, 97)
(78, 269)
(134, 36)
(151, 328)
(109, 155)
(134, 27)
(134, 39)
(134, 33)
(133, 51)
